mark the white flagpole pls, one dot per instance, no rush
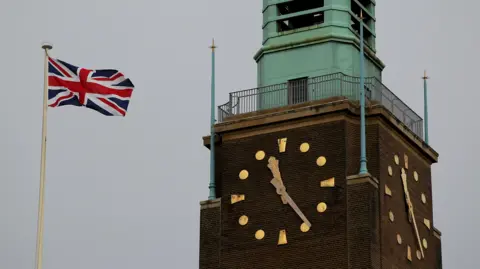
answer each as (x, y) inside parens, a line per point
(39, 248)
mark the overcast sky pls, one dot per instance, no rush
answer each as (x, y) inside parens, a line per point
(124, 192)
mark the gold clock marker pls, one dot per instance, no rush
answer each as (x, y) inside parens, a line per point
(282, 237)
(397, 160)
(259, 235)
(388, 191)
(304, 227)
(425, 243)
(322, 207)
(415, 175)
(409, 253)
(419, 255)
(424, 198)
(399, 239)
(427, 223)
(390, 171)
(243, 174)
(243, 220)
(321, 161)
(304, 147)
(328, 183)
(260, 155)
(391, 216)
(282, 144)
(405, 158)
(235, 198)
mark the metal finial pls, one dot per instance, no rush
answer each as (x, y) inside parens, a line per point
(425, 100)
(425, 75)
(213, 47)
(47, 46)
(361, 15)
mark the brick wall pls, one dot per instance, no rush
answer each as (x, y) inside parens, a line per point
(363, 225)
(210, 235)
(393, 253)
(354, 232)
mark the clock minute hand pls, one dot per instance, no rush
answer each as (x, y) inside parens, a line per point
(416, 231)
(407, 195)
(411, 214)
(290, 201)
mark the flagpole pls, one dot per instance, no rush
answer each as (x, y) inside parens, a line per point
(39, 248)
(363, 146)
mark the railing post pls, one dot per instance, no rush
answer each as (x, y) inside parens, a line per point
(230, 104)
(341, 85)
(373, 89)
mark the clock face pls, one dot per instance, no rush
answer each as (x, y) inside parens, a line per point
(282, 191)
(407, 214)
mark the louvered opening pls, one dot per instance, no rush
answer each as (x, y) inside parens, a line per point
(300, 21)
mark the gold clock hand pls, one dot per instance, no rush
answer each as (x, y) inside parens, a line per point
(411, 214)
(416, 232)
(273, 166)
(289, 200)
(407, 194)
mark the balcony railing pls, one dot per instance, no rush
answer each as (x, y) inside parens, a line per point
(316, 88)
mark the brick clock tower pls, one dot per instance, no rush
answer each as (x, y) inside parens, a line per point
(287, 155)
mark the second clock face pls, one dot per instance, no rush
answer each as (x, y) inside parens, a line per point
(283, 191)
(406, 199)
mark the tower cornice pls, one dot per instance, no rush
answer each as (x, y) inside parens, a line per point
(317, 40)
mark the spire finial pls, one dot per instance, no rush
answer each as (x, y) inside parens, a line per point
(361, 15)
(213, 47)
(425, 100)
(425, 75)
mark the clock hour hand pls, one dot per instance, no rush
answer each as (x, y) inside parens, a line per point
(407, 195)
(289, 200)
(273, 166)
(411, 215)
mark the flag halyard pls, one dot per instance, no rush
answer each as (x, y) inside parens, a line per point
(106, 91)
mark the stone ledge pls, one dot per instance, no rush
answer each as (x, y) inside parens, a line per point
(320, 108)
(365, 178)
(210, 203)
(276, 111)
(437, 233)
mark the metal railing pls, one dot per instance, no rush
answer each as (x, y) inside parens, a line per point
(316, 88)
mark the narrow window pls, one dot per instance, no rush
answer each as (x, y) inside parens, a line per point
(297, 91)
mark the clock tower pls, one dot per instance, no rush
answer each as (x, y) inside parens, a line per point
(288, 193)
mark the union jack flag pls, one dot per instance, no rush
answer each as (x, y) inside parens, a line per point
(104, 90)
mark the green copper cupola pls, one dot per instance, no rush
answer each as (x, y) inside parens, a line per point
(306, 39)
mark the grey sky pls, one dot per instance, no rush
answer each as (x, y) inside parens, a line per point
(123, 192)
